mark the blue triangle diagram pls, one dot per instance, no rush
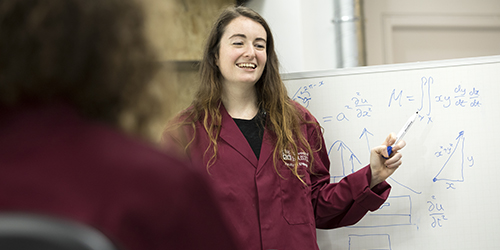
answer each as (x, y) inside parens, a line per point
(453, 168)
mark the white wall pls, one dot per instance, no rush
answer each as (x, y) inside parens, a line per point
(305, 34)
(303, 31)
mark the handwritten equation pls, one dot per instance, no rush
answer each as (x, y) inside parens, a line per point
(459, 96)
(358, 107)
(436, 213)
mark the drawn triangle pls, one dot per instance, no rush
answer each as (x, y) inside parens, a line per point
(453, 169)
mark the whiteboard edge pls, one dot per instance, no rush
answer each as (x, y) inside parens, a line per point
(392, 67)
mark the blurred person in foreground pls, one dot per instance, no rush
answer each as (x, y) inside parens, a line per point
(69, 72)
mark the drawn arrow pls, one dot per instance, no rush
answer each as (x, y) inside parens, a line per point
(365, 133)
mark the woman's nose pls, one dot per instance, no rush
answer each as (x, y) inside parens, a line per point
(249, 52)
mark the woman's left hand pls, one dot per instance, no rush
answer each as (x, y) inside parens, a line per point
(382, 167)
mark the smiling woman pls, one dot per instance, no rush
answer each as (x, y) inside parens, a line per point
(264, 152)
(241, 61)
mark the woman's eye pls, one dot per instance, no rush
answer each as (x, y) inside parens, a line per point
(260, 46)
(238, 43)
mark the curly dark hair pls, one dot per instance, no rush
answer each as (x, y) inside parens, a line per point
(92, 54)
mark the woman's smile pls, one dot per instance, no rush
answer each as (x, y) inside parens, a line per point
(243, 44)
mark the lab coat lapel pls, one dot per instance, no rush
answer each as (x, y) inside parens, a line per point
(266, 149)
(233, 136)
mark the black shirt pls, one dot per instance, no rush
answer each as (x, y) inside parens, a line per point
(253, 130)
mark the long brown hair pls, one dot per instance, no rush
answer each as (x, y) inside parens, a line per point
(283, 118)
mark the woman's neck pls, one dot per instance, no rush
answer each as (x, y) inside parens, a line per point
(240, 103)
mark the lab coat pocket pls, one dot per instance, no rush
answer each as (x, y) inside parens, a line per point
(296, 197)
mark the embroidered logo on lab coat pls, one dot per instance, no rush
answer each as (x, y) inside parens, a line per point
(290, 160)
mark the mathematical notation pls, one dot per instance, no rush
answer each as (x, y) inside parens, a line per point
(358, 107)
(436, 213)
(303, 94)
(461, 98)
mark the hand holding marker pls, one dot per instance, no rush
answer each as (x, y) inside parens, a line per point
(402, 132)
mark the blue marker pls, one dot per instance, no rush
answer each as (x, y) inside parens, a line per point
(402, 132)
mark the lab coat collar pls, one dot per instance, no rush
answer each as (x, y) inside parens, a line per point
(233, 136)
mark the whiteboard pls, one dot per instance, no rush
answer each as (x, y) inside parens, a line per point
(445, 195)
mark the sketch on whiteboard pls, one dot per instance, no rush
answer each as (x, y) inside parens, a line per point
(342, 155)
(303, 96)
(396, 211)
(405, 186)
(365, 134)
(453, 168)
(349, 162)
(443, 171)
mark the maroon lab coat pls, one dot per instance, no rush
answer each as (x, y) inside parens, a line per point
(54, 162)
(271, 212)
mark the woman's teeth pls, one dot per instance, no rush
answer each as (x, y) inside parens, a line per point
(247, 65)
